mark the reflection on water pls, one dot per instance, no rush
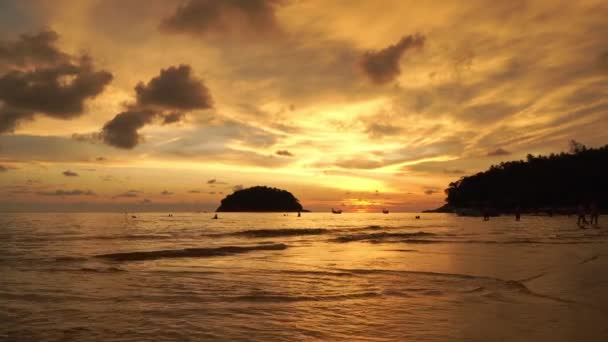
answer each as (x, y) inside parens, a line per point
(320, 277)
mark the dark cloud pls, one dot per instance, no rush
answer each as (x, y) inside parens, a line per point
(226, 18)
(194, 191)
(121, 131)
(215, 181)
(431, 191)
(36, 78)
(173, 117)
(166, 193)
(67, 193)
(284, 153)
(237, 187)
(166, 97)
(498, 152)
(176, 89)
(11, 117)
(69, 173)
(454, 171)
(47, 91)
(382, 66)
(100, 159)
(32, 49)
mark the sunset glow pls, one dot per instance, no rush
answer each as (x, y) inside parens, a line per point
(360, 106)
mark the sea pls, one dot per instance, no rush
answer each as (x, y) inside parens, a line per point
(318, 277)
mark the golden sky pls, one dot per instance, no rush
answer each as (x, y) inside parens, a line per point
(170, 105)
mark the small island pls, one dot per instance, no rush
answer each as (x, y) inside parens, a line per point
(260, 199)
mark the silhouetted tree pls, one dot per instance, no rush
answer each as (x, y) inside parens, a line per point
(557, 180)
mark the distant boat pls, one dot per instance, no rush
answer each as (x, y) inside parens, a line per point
(336, 211)
(385, 211)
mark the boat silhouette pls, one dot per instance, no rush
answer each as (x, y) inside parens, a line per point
(385, 211)
(336, 211)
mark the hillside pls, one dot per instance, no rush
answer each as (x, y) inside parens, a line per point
(556, 181)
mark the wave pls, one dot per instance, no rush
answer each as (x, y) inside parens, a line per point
(189, 252)
(280, 298)
(265, 233)
(88, 269)
(58, 237)
(379, 236)
(390, 238)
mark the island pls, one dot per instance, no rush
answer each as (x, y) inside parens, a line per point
(260, 199)
(556, 183)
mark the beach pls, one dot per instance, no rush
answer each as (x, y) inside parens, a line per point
(322, 276)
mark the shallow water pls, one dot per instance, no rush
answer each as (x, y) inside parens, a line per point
(351, 277)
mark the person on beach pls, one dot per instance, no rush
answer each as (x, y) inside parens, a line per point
(594, 213)
(582, 220)
(517, 213)
(486, 213)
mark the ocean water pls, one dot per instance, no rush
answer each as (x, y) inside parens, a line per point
(269, 277)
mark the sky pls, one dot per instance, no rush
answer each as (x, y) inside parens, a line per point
(137, 105)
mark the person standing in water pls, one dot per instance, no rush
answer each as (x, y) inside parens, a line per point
(581, 215)
(595, 213)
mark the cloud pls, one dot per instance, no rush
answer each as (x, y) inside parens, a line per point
(100, 159)
(226, 18)
(379, 130)
(284, 153)
(382, 66)
(69, 173)
(173, 117)
(359, 164)
(454, 171)
(4, 168)
(431, 191)
(67, 193)
(37, 78)
(166, 193)
(175, 89)
(485, 113)
(211, 181)
(498, 152)
(128, 194)
(237, 187)
(167, 97)
(122, 130)
(194, 191)
(32, 49)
